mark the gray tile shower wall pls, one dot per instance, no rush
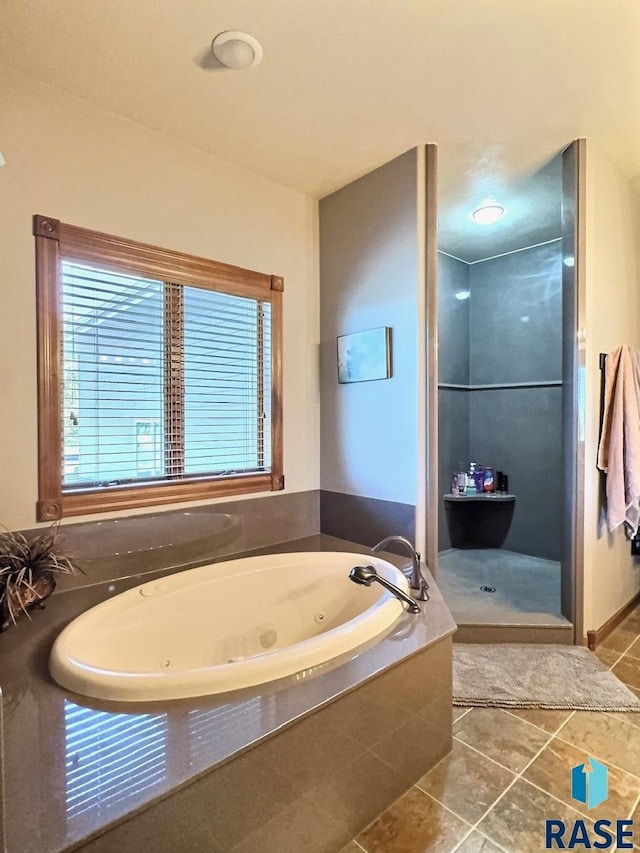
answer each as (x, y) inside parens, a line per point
(516, 336)
(116, 548)
(521, 429)
(365, 520)
(453, 430)
(453, 321)
(516, 317)
(514, 323)
(453, 368)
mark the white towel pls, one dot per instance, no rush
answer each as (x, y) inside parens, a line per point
(619, 450)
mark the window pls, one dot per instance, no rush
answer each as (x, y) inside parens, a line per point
(159, 375)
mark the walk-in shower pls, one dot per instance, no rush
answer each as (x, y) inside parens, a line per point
(501, 405)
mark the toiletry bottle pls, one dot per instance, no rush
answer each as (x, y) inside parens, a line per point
(479, 478)
(499, 481)
(489, 482)
(505, 483)
(471, 480)
(462, 482)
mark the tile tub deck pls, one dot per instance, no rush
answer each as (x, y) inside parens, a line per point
(220, 773)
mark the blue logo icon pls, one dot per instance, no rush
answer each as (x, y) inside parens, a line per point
(589, 786)
(589, 783)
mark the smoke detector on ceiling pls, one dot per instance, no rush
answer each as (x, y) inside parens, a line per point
(237, 50)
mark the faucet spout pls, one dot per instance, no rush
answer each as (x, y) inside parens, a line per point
(417, 580)
(366, 575)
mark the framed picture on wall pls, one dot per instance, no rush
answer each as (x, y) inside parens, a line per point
(364, 356)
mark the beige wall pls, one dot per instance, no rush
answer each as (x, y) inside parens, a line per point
(612, 575)
(80, 164)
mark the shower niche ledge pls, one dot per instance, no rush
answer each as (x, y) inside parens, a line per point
(490, 497)
(479, 521)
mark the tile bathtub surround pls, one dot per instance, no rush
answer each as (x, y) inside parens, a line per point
(509, 771)
(109, 549)
(365, 520)
(310, 787)
(207, 772)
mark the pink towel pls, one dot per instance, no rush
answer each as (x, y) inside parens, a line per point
(619, 450)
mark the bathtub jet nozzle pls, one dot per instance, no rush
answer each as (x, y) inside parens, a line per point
(366, 575)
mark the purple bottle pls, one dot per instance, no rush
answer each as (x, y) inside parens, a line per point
(478, 476)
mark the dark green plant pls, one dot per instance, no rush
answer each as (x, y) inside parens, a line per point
(28, 567)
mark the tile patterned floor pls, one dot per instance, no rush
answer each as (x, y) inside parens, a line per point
(508, 772)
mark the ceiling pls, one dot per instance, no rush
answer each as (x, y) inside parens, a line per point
(532, 203)
(501, 85)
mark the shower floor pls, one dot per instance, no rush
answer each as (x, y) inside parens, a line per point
(527, 589)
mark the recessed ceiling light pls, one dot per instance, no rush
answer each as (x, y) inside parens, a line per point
(463, 294)
(488, 212)
(237, 50)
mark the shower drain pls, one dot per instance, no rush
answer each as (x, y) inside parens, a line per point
(487, 589)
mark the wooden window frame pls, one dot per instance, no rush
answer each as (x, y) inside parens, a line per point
(55, 241)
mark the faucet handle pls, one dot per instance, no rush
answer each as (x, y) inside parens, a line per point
(423, 586)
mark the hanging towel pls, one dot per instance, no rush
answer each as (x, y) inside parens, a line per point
(619, 450)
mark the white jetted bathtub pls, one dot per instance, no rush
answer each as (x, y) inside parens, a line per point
(224, 626)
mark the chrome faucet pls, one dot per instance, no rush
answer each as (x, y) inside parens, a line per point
(366, 575)
(417, 581)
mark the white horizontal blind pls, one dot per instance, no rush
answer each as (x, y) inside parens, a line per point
(231, 724)
(111, 760)
(161, 381)
(223, 412)
(113, 398)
